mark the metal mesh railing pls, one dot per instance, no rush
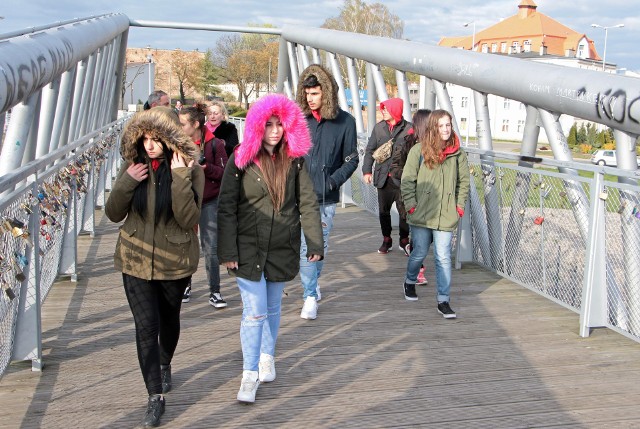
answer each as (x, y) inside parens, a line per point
(622, 243)
(538, 235)
(36, 219)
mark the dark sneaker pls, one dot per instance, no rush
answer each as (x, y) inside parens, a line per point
(186, 297)
(217, 301)
(165, 376)
(387, 244)
(155, 408)
(410, 292)
(446, 311)
(405, 246)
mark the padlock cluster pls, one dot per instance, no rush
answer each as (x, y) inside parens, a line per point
(50, 203)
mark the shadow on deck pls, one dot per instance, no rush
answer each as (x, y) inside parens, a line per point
(512, 359)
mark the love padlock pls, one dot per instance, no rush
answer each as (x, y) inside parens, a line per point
(603, 195)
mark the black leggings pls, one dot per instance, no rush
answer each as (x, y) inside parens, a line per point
(155, 305)
(387, 195)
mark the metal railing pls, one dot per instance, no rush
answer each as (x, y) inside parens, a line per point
(571, 238)
(576, 222)
(53, 202)
(62, 84)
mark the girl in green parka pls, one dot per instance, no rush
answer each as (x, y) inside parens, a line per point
(435, 187)
(265, 199)
(158, 195)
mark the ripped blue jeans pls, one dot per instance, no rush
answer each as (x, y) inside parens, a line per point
(261, 302)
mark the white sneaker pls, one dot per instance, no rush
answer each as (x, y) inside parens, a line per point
(266, 368)
(318, 292)
(248, 387)
(310, 308)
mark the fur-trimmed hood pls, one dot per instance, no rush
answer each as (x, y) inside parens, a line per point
(330, 105)
(296, 134)
(161, 123)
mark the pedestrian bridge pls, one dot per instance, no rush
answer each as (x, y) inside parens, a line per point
(548, 251)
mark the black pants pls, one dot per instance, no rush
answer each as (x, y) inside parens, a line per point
(155, 306)
(387, 195)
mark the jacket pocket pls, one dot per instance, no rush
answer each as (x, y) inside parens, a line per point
(177, 254)
(128, 246)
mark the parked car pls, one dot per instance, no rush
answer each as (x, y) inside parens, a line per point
(606, 157)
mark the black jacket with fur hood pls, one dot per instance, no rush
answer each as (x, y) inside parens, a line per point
(334, 156)
(150, 249)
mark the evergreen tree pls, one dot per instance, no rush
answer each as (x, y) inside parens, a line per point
(572, 140)
(581, 135)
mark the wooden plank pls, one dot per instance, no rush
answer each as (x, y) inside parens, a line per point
(371, 360)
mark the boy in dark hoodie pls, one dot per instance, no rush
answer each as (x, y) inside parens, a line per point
(392, 127)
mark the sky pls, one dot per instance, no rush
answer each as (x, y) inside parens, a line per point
(424, 21)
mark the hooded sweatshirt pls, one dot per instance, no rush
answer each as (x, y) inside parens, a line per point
(394, 107)
(382, 133)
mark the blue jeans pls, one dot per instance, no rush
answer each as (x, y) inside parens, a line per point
(261, 302)
(310, 271)
(209, 243)
(421, 238)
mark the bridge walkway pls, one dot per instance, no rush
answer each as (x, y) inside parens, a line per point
(512, 359)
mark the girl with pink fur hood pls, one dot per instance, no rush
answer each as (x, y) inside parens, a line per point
(265, 199)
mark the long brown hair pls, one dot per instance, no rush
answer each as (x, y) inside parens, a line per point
(275, 169)
(432, 146)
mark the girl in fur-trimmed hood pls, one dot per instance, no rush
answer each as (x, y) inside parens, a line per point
(162, 124)
(296, 140)
(157, 196)
(265, 199)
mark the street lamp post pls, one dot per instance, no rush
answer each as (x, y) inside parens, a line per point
(473, 43)
(149, 60)
(606, 30)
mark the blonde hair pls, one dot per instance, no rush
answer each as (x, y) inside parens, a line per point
(223, 108)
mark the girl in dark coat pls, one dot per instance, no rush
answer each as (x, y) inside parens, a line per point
(213, 159)
(265, 199)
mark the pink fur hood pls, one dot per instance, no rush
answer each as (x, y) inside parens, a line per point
(296, 133)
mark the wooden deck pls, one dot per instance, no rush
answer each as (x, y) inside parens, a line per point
(511, 359)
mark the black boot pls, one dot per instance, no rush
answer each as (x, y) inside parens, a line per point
(155, 408)
(165, 375)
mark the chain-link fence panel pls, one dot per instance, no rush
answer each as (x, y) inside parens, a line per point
(538, 230)
(622, 232)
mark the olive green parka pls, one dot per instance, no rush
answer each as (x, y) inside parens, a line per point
(435, 193)
(250, 231)
(146, 248)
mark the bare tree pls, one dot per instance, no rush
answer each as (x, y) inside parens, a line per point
(375, 19)
(189, 70)
(250, 61)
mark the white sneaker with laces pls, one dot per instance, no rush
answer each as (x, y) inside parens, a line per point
(266, 368)
(310, 308)
(248, 387)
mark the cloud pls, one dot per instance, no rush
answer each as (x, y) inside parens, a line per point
(425, 22)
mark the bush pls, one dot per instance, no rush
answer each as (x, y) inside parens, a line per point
(585, 148)
(609, 146)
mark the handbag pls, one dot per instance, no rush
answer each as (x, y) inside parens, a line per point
(383, 152)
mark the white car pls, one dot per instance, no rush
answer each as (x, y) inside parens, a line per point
(606, 157)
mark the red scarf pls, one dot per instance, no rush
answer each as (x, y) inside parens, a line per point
(155, 163)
